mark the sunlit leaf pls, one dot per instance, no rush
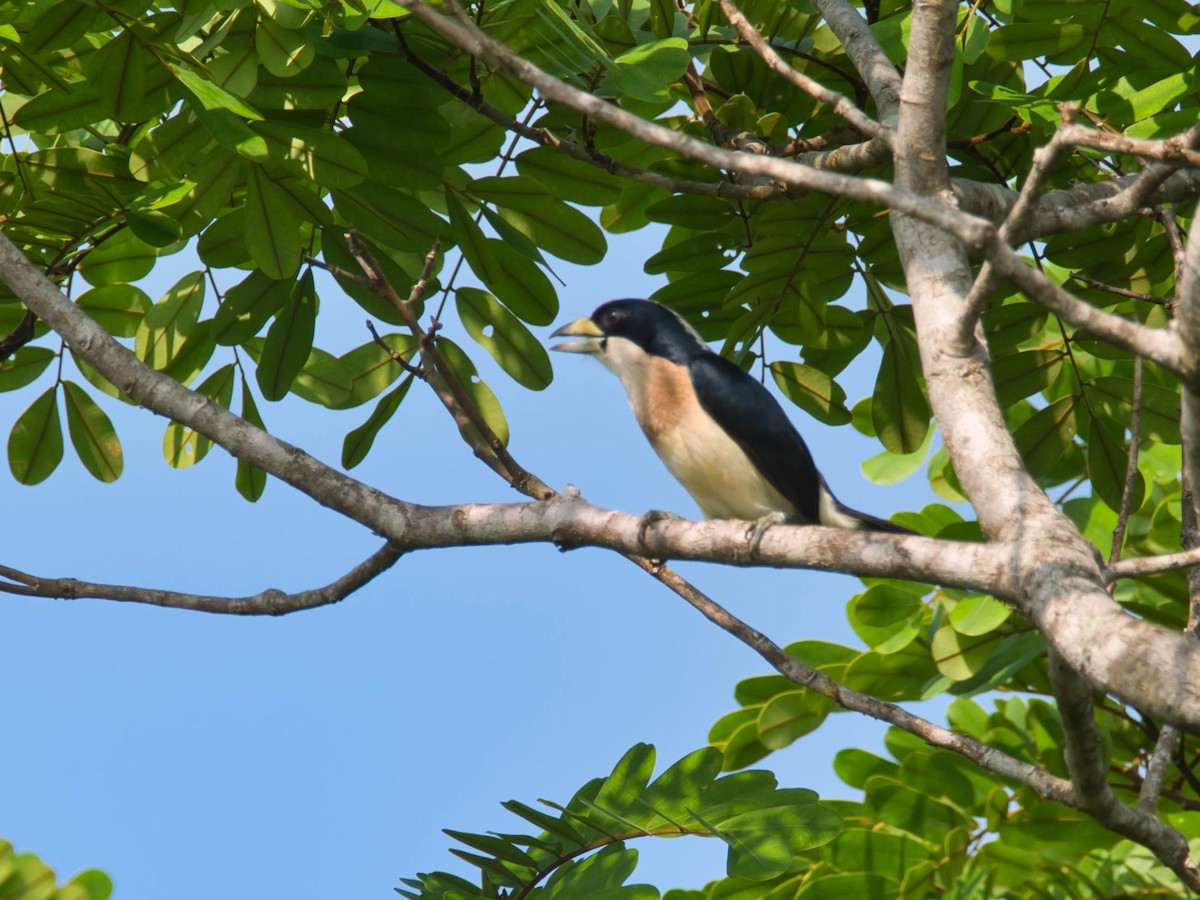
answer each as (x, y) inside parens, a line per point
(35, 444)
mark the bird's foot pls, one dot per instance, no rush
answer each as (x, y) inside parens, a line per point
(754, 534)
(650, 518)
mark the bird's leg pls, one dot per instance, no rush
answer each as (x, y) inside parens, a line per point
(754, 534)
(654, 515)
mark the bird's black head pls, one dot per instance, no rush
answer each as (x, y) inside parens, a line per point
(656, 329)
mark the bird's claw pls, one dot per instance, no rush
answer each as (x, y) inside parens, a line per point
(754, 534)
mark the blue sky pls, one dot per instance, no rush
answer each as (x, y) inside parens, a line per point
(319, 755)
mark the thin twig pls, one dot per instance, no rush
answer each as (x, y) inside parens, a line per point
(1044, 783)
(485, 443)
(397, 358)
(1131, 464)
(1044, 160)
(271, 602)
(1119, 291)
(1141, 566)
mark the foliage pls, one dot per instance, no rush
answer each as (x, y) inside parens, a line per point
(25, 877)
(254, 134)
(764, 827)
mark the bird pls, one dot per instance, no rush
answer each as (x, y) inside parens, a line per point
(720, 432)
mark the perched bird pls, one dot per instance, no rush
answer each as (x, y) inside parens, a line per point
(719, 432)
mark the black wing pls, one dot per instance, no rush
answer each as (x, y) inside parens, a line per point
(756, 422)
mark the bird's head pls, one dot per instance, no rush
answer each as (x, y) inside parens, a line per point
(622, 330)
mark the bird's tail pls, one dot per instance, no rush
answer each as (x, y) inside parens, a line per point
(867, 522)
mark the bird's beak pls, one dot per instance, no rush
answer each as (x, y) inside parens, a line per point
(584, 329)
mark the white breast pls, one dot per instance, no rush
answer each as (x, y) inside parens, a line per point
(698, 452)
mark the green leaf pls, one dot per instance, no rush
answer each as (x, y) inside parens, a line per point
(117, 308)
(165, 151)
(789, 716)
(892, 468)
(57, 110)
(1107, 459)
(154, 227)
(289, 341)
(324, 380)
(1160, 406)
(569, 178)
(372, 369)
(703, 253)
(1026, 40)
(250, 480)
(272, 226)
(321, 156)
(897, 676)
(464, 370)
(282, 51)
(130, 82)
(625, 784)
(497, 847)
(193, 354)
(518, 283)
(765, 840)
(35, 445)
(548, 222)
(662, 17)
(247, 306)
(183, 446)
(899, 409)
(1044, 437)
(960, 656)
(510, 343)
(885, 617)
(123, 258)
(24, 366)
(599, 876)
(212, 97)
(358, 442)
(979, 614)
(166, 325)
(1020, 374)
(647, 71)
(813, 391)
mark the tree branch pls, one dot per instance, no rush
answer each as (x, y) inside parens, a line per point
(1074, 208)
(1089, 777)
(1017, 220)
(839, 103)
(466, 36)
(866, 55)
(271, 602)
(1055, 585)
(564, 520)
(794, 670)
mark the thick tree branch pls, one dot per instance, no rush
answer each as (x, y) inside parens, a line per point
(19, 336)
(1062, 595)
(1089, 777)
(271, 602)
(1052, 561)
(563, 520)
(1161, 345)
(1074, 208)
(867, 56)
